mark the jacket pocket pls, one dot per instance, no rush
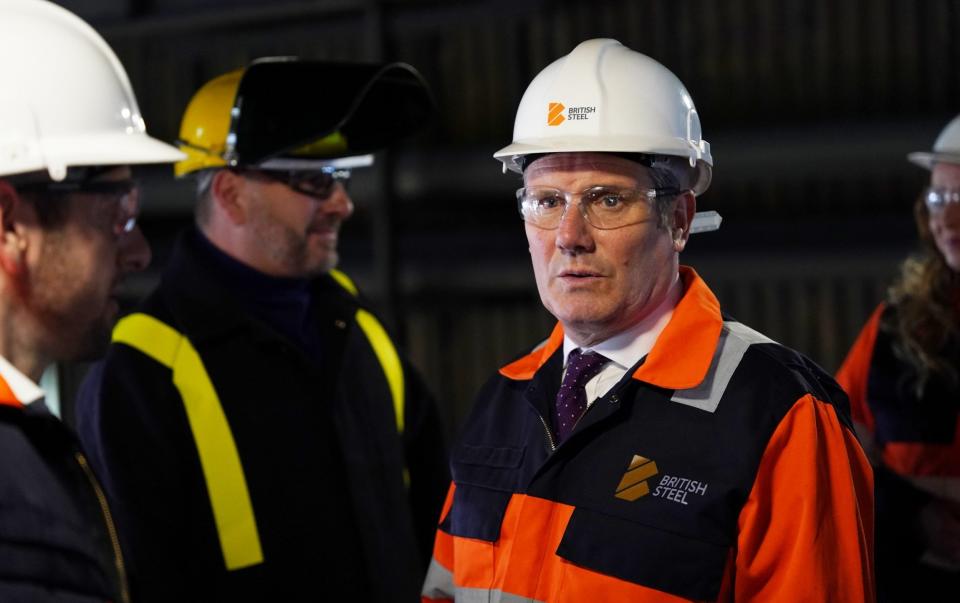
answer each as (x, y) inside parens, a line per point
(486, 478)
(644, 555)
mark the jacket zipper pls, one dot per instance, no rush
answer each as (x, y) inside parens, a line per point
(546, 430)
(111, 528)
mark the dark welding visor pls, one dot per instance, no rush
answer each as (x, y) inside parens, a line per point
(292, 114)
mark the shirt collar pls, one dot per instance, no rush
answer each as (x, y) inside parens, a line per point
(23, 389)
(681, 354)
(628, 347)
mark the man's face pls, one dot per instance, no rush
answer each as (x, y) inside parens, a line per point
(74, 272)
(601, 282)
(945, 223)
(292, 234)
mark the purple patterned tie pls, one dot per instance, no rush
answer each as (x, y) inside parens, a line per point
(572, 399)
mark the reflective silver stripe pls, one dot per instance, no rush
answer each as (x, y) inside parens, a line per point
(439, 582)
(734, 340)
(485, 595)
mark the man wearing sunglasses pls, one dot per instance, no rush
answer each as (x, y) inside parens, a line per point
(260, 436)
(650, 449)
(70, 129)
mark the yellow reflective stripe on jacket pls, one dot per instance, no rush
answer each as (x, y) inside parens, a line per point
(222, 470)
(388, 357)
(382, 347)
(345, 281)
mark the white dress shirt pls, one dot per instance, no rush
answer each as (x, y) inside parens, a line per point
(22, 386)
(627, 348)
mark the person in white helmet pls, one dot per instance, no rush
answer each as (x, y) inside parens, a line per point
(651, 448)
(69, 131)
(903, 378)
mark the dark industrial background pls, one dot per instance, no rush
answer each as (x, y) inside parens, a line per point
(810, 107)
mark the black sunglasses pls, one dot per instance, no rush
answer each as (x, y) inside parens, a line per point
(318, 184)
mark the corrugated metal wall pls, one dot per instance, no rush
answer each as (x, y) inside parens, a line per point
(810, 107)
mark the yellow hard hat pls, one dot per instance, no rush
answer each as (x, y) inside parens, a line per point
(283, 113)
(206, 123)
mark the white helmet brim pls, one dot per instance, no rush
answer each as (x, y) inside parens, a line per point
(926, 159)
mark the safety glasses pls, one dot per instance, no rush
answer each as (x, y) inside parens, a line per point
(603, 207)
(125, 192)
(937, 199)
(318, 184)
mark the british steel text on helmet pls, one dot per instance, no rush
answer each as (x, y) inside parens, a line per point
(555, 115)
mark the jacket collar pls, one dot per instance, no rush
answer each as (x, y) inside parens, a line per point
(682, 354)
(16, 389)
(205, 307)
(193, 290)
(6, 395)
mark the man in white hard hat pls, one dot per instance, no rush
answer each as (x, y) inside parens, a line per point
(651, 449)
(69, 131)
(903, 378)
(262, 437)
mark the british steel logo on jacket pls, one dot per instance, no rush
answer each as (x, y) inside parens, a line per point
(635, 483)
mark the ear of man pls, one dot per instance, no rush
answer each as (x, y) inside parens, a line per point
(682, 218)
(13, 237)
(229, 196)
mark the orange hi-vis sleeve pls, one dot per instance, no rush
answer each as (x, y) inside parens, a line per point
(806, 531)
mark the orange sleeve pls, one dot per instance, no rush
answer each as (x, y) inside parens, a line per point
(806, 531)
(438, 586)
(855, 369)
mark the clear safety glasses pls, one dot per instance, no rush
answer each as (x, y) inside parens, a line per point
(125, 192)
(603, 207)
(937, 199)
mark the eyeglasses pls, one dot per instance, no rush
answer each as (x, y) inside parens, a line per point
(603, 207)
(938, 198)
(318, 184)
(126, 192)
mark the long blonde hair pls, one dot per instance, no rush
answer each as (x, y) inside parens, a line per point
(926, 323)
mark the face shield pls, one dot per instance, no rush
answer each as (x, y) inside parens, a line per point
(303, 115)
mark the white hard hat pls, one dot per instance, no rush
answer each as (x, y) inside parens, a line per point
(605, 97)
(946, 149)
(65, 99)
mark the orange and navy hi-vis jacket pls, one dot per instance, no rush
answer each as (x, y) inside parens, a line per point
(916, 439)
(913, 442)
(57, 540)
(722, 467)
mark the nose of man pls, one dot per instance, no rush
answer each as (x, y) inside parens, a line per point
(339, 203)
(574, 234)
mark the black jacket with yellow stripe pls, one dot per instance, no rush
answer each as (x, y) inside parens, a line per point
(241, 469)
